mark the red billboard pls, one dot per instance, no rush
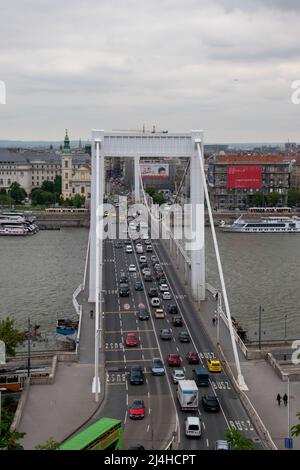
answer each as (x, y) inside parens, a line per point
(244, 177)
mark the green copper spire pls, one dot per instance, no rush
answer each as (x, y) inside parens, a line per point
(67, 149)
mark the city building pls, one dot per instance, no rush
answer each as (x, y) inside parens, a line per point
(234, 179)
(295, 176)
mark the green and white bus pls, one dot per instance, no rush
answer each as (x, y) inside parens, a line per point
(104, 434)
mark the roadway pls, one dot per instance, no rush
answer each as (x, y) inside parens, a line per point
(159, 393)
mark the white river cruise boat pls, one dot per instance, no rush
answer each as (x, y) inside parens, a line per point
(263, 225)
(16, 225)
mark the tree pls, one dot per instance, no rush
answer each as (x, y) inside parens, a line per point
(78, 200)
(150, 190)
(17, 193)
(258, 199)
(293, 198)
(57, 184)
(48, 186)
(3, 191)
(11, 336)
(273, 198)
(296, 428)
(38, 196)
(4, 200)
(51, 444)
(238, 441)
(9, 440)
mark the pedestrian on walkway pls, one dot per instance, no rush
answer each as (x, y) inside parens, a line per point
(91, 314)
(285, 399)
(278, 398)
(213, 320)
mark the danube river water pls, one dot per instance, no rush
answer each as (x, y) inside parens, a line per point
(38, 275)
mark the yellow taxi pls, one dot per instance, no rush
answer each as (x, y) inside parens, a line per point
(214, 365)
(159, 313)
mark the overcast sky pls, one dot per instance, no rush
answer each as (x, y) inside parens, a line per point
(225, 66)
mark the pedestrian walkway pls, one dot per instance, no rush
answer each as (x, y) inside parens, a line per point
(57, 410)
(262, 381)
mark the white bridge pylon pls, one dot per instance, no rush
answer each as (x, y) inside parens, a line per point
(136, 146)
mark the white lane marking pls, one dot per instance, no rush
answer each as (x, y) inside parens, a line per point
(203, 424)
(148, 394)
(207, 442)
(127, 399)
(148, 427)
(149, 411)
(125, 417)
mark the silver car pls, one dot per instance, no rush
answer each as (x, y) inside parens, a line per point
(222, 445)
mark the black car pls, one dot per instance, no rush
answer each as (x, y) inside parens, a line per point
(123, 279)
(138, 285)
(124, 290)
(177, 321)
(144, 265)
(118, 244)
(172, 308)
(162, 280)
(143, 314)
(136, 447)
(136, 375)
(153, 292)
(210, 403)
(184, 337)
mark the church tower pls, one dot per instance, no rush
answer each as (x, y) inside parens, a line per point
(66, 168)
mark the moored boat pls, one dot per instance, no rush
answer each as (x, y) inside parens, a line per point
(263, 225)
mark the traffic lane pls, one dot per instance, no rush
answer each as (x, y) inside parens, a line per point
(236, 416)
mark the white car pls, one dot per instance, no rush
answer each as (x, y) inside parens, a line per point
(163, 287)
(139, 249)
(132, 268)
(155, 302)
(128, 249)
(166, 295)
(146, 271)
(178, 374)
(143, 259)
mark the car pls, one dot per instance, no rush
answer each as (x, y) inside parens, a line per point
(214, 365)
(143, 313)
(154, 259)
(148, 278)
(124, 290)
(166, 295)
(177, 374)
(123, 279)
(172, 308)
(138, 285)
(143, 259)
(210, 403)
(147, 240)
(131, 339)
(128, 249)
(157, 366)
(193, 357)
(132, 268)
(177, 321)
(136, 376)
(153, 292)
(159, 313)
(184, 337)
(162, 280)
(149, 248)
(146, 271)
(174, 360)
(163, 287)
(144, 265)
(155, 302)
(165, 334)
(137, 409)
(139, 249)
(118, 244)
(222, 445)
(192, 426)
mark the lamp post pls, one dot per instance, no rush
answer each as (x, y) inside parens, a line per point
(1, 390)
(285, 319)
(259, 326)
(288, 406)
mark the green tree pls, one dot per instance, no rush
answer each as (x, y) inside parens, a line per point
(238, 441)
(17, 193)
(38, 196)
(293, 198)
(48, 186)
(296, 428)
(9, 440)
(57, 184)
(273, 198)
(4, 200)
(50, 444)
(3, 191)
(258, 199)
(78, 200)
(150, 190)
(11, 336)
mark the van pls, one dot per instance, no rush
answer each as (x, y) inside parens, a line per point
(193, 426)
(201, 376)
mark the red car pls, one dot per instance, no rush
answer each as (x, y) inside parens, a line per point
(131, 339)
(137, 409)
(174, 360)
(193, 358)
